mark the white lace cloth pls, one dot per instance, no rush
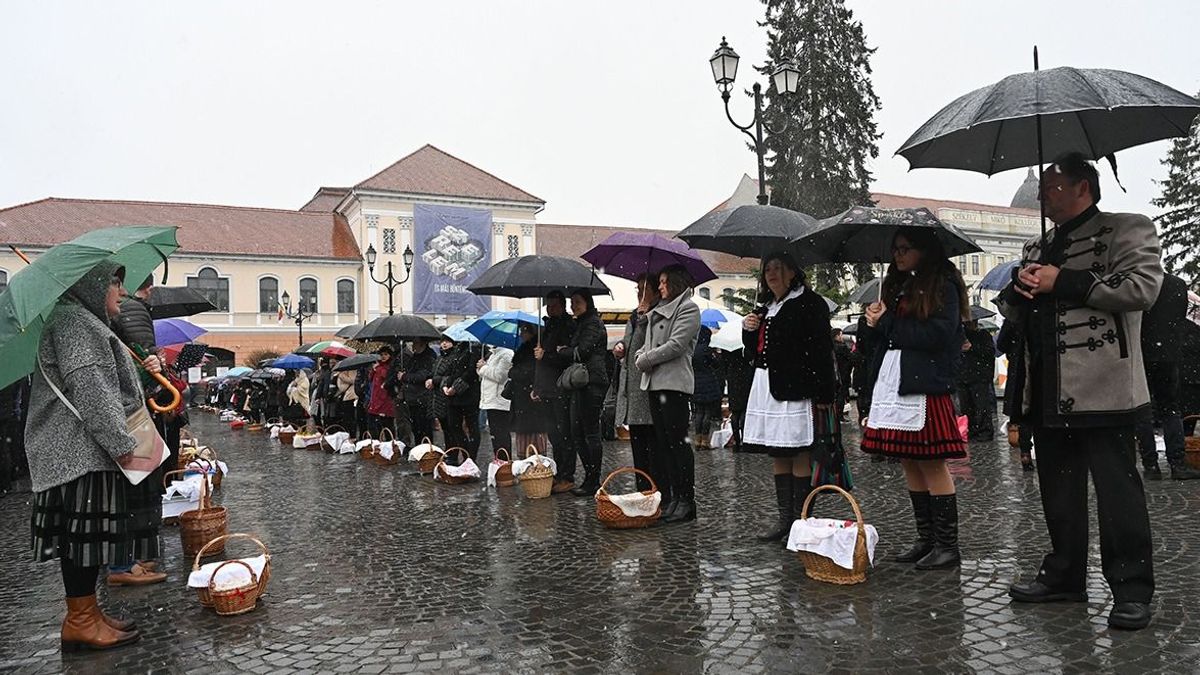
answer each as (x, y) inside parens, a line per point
(637, 504)
(468, 469)
(834, 539)
(336, 439)
(520, 466)
(889, 408)
(388, 449)
(421, 450)
(230, 576)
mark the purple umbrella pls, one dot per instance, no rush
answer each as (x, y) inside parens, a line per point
(629, 255)
(175, 331)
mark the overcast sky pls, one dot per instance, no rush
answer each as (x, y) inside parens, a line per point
(605, 110)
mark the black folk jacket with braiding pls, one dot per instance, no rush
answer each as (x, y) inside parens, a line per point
(1083, 341)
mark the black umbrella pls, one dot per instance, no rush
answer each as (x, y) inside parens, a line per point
(866, 293)
(398, 327)
(303, 349)
(356, 361)
(751, 231)
(865, 234)
(533, 276)
(167, 302)
(978, 312)
(349, 332)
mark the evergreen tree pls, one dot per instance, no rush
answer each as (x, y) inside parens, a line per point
(1180, 224)
(825, 132)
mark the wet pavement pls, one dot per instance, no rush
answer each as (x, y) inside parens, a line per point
(376, 569)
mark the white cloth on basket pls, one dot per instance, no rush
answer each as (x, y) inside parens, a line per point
(834, 539)
(230, 576)
(769, 421)
(188, 488)
(388, 449)
(468, 469)
(421, 450)
(494, 468)
(520, 466)
(336, 439)
(889, 408)
(637, 504)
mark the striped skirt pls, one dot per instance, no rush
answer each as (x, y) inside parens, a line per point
(939, 439)
(97, 519)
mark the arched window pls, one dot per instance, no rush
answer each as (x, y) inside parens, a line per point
(308, 294)
(212, 286)
(345, 296)
(3, 280)
(268, 295)
(706, 294)
(727, 296)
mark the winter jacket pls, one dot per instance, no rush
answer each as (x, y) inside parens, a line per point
(1163, 322)
(345, 386)
(381, 402)
(134, 325)
(1090, 349)
(633, 404)
(410, 376)
(666, 360)
(455, 369)
(739, 373)
(796, 350)
(589, 346)
(298, 390)
(492, 377)
(92, 368)
(979, 362)
(526, 415)
(930, 350)
(556, 332)
(709, 387)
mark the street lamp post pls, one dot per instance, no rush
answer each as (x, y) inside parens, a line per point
(300, 316)
(390, 281)
(786, 77)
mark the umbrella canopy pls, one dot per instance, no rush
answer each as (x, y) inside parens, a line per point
(533, 276)
(349, 332)
(356, 361)
(33, 291)
(998, 277)
(865, 233)
(1095, 112)
(459, 333)
(267, 374)
(175, 331)
(830, 304)
(866, 293)
(728, 338)
(852, 329)
(714, 318)
(751, 231)
(184, 356)
(978, 312)
(500, 328)
(238, 371)
(398, 327)
(168, 302)
(330, 348)
(293, 362)
(303, 349)
(629, 255)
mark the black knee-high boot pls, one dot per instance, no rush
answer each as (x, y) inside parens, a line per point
(803, 486)
(785, 500)
(945, 534)
(923, 514)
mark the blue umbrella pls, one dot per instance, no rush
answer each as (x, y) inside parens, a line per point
(713, 318)
(998, 277)
(458, 332)
(500, 328)
(238, 372)
(175, 331)
(292, 362)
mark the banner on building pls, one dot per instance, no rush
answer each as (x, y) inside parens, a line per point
(453, 247)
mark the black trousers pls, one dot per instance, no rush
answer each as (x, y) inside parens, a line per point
(669, 410)
(587, 405)
(377, 423)
(1163, 380)
(453, 428)
(737, 420)
(558, 414)
(404, 432)
(1065, 458)
(500, 428)
(78, 582)
(977, 400)
(642, 440)
(422, 421)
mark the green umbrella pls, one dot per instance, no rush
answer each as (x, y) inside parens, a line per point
(33, 291)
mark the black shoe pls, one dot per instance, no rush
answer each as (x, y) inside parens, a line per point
(588, 489)
(944, 554)
(784, 500)
(685, 510)
(924, 517)
(1152, 473)
(1130, 615)
(1184, 472)
(1027, 464)
(668, 509)
(1036, 591)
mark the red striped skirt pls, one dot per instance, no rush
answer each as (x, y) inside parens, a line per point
(938, 440)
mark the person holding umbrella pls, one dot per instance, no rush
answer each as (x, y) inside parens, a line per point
(588, 346)
(455, 387)
(410, 377)
(529, 419)
(1078, 300)
(789, 341)
(552, 354)
(915, 338)
(633, 404)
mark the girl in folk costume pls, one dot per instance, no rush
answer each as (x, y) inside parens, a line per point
(790, 410)
(915, 336)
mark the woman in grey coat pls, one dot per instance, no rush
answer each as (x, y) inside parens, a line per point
(81, 510)
(633, 404)
(665, 362)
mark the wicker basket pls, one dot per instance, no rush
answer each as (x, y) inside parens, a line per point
(611, 515)
(329, 431)
(537, 480)
(216, 476)
(234, 601)
(431, 459)
(439, 472)
(367, 451)
(201, 525)
(286, 437)
(1191, 446)
(504, 475)
(397, 455)
(824, 569)
(203, 593)
(255, 426)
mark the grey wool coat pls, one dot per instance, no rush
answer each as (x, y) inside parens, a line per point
(1092, 372)
(633, 404)
(666, 359)
(93, 370)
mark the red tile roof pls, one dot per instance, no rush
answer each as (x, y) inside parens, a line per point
(326, 199)
(203, 228)
(430, 171)
(572, 241)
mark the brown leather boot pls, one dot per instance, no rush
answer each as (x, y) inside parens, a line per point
(84, 627)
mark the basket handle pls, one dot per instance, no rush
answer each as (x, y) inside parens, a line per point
(204, 496)
(531, 449)
(253, 576)
(627, 469)
(329, 430)
(387, 431)
(425, 440)
(833, 488)
(235, 535)
(507, 454)
(450, 450)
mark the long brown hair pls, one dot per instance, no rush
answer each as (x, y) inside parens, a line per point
(922, 288)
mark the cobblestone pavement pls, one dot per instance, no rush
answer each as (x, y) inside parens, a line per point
(380, 570)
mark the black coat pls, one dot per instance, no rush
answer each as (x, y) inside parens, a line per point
(408, 378)
(979, 362)
(709, 387)
(589, 346)
(557, 332)
(134, 324)
(456, 369)
(526, 415)
(739, 373)
(798, 350)
(1162, 323)
(930, 350)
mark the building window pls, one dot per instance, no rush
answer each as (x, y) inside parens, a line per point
(268, 295)
(3, 280)
(345, 295)
(706, 294)
(308, 294)
(514, 246)
(212, 287)
(389, 240)
(975, 264)
(727, 296)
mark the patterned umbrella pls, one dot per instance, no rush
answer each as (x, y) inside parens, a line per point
(865, 233)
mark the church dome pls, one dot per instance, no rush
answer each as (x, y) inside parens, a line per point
(1027, 194)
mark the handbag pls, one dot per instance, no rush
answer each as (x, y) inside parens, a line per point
(574, 376)
(149, 450)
